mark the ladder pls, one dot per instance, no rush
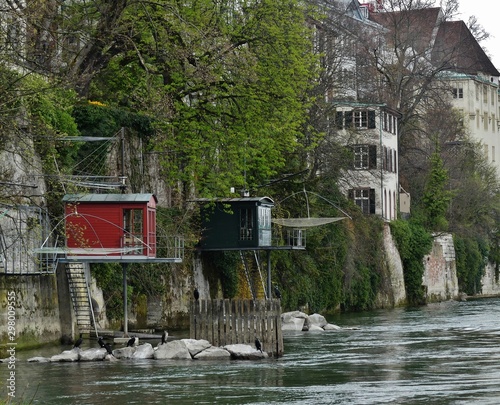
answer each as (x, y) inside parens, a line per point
(80, 296)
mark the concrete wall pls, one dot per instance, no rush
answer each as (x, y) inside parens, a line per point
(440, 275)
(490, 283)
(37, 309)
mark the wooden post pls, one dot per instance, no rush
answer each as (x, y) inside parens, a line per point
(233, 312)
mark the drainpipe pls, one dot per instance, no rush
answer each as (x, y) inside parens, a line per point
(382, 202)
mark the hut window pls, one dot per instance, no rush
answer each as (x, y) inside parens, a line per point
(132, 222)
(246, 224)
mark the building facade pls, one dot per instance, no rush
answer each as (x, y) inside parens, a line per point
(370, 132)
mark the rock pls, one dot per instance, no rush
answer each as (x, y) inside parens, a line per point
(317, 320)
(38, 360)
(245, 352)
(330, 326)
(293, 320)
(124, 352)
(144, 351)
(287, 316)
(175, 349)
(213, 353)
(315, 328)
(92, 354)
(195, 346)
(67, 355)
(110, 357)
(296, 324)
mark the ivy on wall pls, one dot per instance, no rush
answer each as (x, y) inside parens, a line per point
(413, 243)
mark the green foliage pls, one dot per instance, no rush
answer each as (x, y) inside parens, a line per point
(98, 119)
(364, 264)
(227, 86)
(436, 198)
(413, 243)
(221, 267)
(471, 256)
(49, 108)
(109, 277)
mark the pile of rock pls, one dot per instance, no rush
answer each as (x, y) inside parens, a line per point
(299, 321)
(182, 349)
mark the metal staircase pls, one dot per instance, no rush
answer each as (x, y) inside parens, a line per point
(253, 275)
(80, 296)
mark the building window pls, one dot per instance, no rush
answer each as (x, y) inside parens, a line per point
(458, 92)
(364, 198)
(246, 224)
(493, 91)
(485, 121)
(365, 156)
(492, 153)
(359, 119)
(485, 94)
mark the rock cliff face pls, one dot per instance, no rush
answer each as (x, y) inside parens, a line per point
(392, 292)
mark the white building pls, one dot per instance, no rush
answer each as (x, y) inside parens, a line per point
(371, 132)
(467, 73)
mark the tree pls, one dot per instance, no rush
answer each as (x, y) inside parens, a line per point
(436, 197)
(226, 85)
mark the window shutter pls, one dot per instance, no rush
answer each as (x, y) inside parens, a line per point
(350, 194)
(348, 119)
(339, 118)
(371, 119)
(372, 201)
(373, 156)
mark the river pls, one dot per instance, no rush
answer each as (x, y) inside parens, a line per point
(446, 353)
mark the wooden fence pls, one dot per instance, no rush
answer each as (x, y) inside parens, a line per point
(225, 322)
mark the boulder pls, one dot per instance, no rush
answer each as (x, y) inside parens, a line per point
(213, 353)
(144, 351)
(293, 324)
(315, 328)
(175, 349)
(67, 355)
(287, 316)
(92, 354)
(245, 352)
(110, 357)
(330, 326)
(124, 352)
(196, 346)
(317, 320)
(38, 359)
(293, 320)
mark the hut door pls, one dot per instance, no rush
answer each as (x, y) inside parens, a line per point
(133, 230)
(264, 226)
